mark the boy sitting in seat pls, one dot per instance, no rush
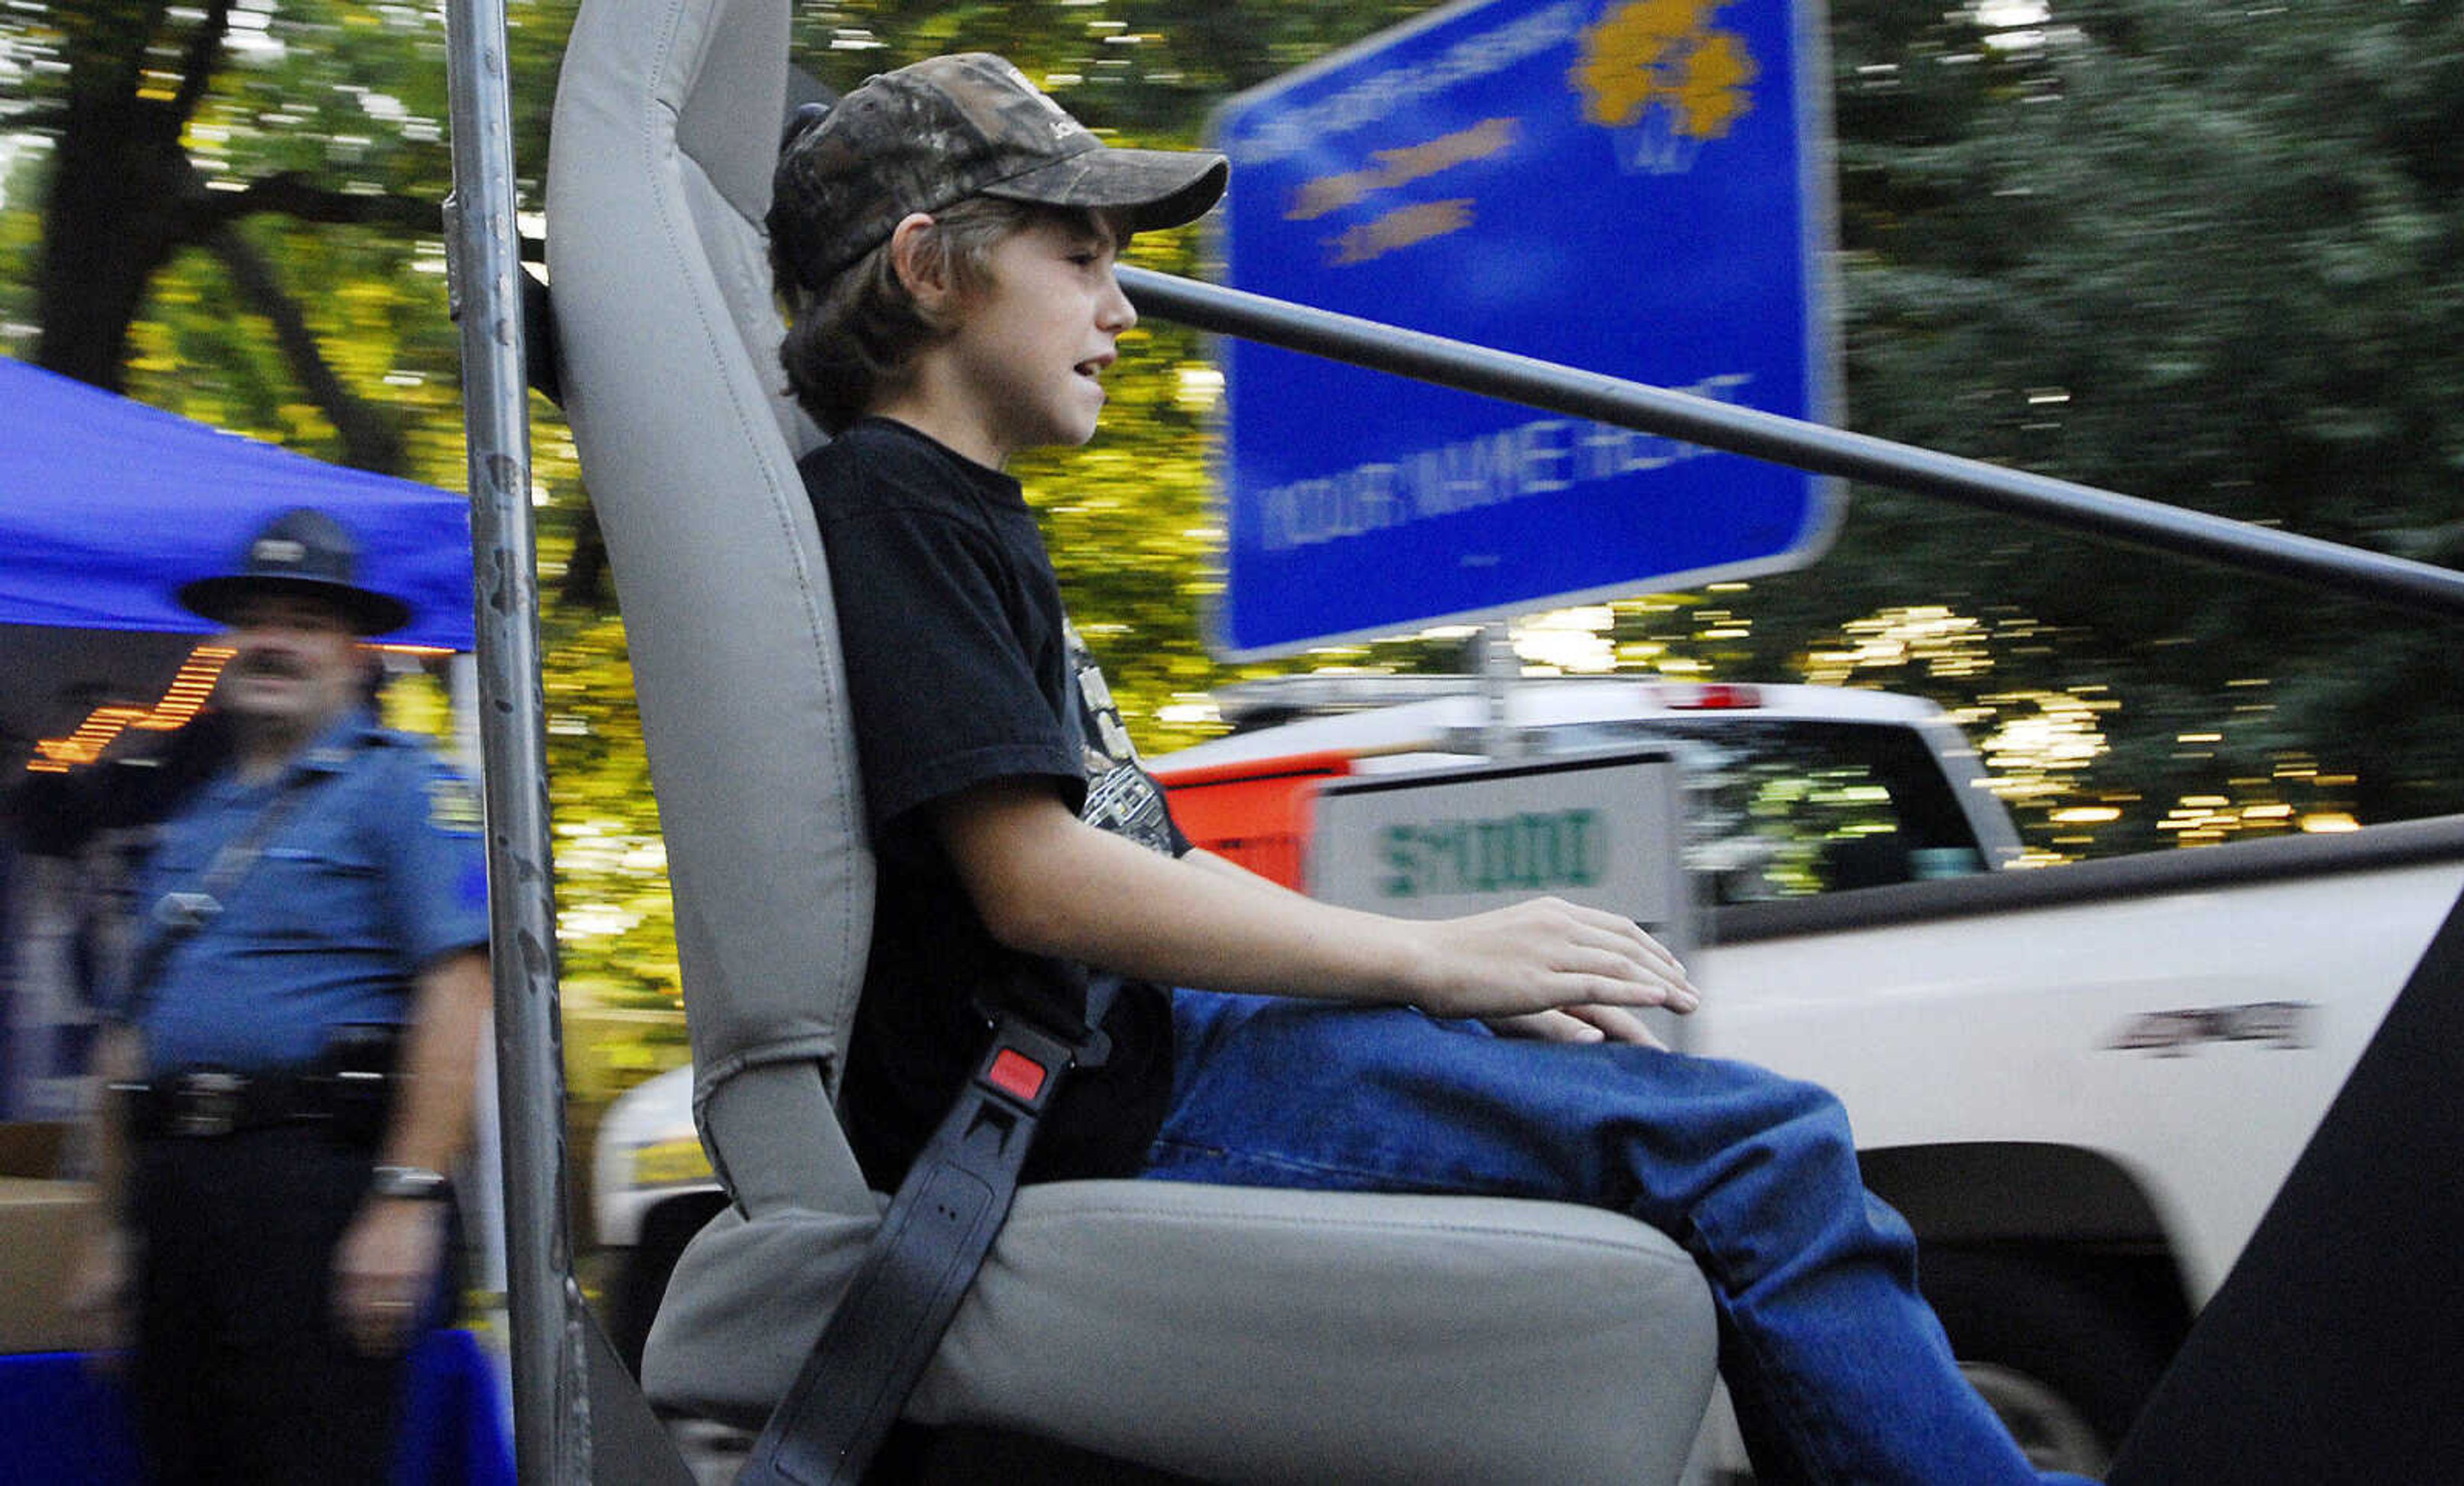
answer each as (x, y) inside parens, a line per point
(945, 238)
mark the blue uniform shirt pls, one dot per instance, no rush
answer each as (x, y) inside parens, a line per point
(375, 872)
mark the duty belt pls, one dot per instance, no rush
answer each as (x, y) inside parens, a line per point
(201, 1104)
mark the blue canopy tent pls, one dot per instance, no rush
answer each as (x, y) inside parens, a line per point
(107, 505)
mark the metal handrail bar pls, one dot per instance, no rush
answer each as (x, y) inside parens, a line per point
(1807, 446)
(545, 1319)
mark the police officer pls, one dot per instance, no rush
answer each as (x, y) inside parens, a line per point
(292, 1060)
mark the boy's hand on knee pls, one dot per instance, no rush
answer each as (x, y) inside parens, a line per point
(1553, 968)
(1579, 1024)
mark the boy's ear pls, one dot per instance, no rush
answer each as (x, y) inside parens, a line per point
(917, 257)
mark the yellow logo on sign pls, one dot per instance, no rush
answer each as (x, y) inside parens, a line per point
(1659, 73)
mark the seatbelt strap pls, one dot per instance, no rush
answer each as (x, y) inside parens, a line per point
(921, 1260)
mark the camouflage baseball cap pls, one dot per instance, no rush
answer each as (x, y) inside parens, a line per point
(947, 128)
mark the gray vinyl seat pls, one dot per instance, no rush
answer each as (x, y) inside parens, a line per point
(1219, 1334)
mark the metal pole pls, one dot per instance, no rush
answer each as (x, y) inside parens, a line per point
(1786, 441)
(1500, 670)
(551, 1392)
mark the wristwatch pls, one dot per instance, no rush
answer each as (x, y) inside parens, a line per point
(410, 1183)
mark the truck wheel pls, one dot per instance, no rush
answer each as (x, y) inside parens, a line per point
(2064, 1353)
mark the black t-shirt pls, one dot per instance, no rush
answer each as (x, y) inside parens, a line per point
(962, 668)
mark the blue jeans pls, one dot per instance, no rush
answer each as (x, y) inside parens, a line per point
(1838, 1368)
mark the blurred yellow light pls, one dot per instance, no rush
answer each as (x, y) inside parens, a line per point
(2086, 815)
(670, 1162)
(1200, 388)
(2328, 821)
(181, 701)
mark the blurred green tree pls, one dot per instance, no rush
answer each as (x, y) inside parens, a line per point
(279, 165)
(2212, 258)
(2204, 257)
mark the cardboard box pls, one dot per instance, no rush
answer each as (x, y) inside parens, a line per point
(32, 1148)
(44, 1222)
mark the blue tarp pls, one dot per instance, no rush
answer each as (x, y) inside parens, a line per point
(61, 1425)
(107, 505)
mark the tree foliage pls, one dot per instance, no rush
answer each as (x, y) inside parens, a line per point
(2209, 258)
(259, 182)
(2202, 256)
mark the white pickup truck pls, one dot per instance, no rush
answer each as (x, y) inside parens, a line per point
(2081, 1083)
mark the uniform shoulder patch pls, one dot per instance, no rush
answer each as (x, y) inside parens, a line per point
(453, 805)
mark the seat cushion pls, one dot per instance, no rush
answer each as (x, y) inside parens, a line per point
(1238, 1334)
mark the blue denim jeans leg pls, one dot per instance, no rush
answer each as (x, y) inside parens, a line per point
(1839, 1370)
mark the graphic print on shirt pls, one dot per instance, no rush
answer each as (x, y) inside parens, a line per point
(1121, 796)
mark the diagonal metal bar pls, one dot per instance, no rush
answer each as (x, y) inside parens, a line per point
(2399, 582)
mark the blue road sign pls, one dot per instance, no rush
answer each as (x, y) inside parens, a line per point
(1638, 188)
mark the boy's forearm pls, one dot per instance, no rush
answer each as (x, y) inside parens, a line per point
(1234, 931)
(1049, 884)
(1224, 867)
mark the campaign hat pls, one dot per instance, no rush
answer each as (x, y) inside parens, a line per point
(941, 130)
(304, 551)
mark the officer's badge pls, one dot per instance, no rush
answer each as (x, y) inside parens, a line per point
(453, 806)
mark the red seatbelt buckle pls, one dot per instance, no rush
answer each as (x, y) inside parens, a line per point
(1024, 1065)
(1015, 1074)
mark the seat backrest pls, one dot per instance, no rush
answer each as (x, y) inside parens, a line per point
(1328, 1321)
(665, 133)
